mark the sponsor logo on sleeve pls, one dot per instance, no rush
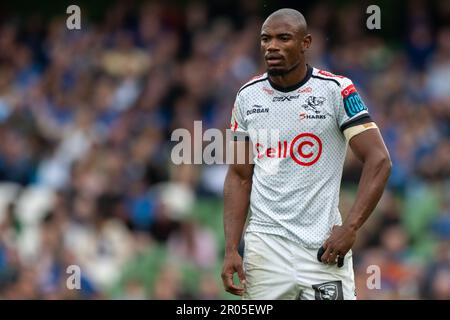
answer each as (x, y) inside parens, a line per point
(353, 103)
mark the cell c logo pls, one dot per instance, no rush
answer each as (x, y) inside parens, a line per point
(306, 149)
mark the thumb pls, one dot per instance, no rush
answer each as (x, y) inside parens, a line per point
(241, 273)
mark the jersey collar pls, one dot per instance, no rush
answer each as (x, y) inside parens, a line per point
(309, 72)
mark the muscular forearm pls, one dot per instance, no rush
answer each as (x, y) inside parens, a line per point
(236, 202)
(374, 176)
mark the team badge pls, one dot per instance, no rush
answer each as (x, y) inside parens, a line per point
(312, 103)
(331, 290)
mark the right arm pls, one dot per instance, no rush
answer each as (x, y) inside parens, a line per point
(237, 189)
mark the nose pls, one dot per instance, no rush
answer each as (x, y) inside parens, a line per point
(272, 46)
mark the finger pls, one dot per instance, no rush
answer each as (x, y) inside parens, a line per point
(326, 255)
(235, 290)
(230, 286)
(332, 257)
(227, 279)
(241, 274)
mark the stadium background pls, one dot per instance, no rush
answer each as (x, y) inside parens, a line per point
(85, 124)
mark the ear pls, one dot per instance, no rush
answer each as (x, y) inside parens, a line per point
(306, 43)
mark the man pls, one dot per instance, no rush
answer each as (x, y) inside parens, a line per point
(292, 185)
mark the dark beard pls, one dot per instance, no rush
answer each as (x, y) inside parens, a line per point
(281, 72)
(277, 72)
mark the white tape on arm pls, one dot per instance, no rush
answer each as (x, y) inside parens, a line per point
(353, 131)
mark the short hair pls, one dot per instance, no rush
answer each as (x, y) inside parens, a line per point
(291, 14)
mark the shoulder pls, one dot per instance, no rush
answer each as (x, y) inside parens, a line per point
(253, 83)
(336, 82)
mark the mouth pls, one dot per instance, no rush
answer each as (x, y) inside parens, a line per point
(274, 59)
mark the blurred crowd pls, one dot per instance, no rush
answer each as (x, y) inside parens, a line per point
(86, 118)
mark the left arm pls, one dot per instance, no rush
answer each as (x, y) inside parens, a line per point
(369, 148)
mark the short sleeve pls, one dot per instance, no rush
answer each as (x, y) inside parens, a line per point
(238, 126)
(351, 110)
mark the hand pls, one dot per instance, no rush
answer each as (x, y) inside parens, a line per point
(233, 263)
(338, 244)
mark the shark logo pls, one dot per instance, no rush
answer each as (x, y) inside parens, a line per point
(331, 290)
(312, 103)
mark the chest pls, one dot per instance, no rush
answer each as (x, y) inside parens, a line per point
(291, 113)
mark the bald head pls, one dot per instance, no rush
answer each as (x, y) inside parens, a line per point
(290, 16)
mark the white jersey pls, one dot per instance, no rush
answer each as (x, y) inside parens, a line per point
(297, 174)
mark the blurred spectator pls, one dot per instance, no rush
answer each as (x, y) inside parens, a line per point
(85, 123)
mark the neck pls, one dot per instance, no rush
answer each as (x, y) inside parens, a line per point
(292, 77)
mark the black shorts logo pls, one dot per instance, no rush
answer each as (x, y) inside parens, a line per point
(331, 290)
